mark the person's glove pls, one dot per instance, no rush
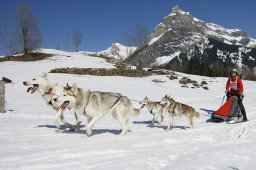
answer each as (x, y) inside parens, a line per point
(227, 92)
(241, 95)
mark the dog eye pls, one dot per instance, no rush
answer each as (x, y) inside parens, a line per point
(33, 79)
(65, 95)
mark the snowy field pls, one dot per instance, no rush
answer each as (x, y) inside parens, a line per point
(29, 139)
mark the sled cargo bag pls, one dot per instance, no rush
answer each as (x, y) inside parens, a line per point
(227, 110)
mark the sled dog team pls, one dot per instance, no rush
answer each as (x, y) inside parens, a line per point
(95, 104)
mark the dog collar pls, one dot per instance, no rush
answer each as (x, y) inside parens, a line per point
(49, 91)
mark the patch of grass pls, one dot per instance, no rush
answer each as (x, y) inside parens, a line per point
(185, 81)
(185, 86)
(173, 77)
(108, 59)
(102, 72)
(29, 57)
(204, 83)
(206, 88)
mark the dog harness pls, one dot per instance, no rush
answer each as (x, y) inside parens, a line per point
(151, 111)
(88, 99)
(87, 102)
(119, 98)
(186, 109)
(49, 91)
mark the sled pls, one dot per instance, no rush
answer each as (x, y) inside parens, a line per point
(229, 112)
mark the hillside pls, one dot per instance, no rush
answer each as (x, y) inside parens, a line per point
(30, 140)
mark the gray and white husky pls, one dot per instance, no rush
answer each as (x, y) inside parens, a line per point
(95, 104)
(155, 108)
(176, 110)
(47, 90)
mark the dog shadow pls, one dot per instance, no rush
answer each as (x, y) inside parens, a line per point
(149, 124)
(65, 129)
(143, 122)
(156, 125)
(102, 131)
(62, 127)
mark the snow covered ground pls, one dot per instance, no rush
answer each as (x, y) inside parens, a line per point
(30, 141)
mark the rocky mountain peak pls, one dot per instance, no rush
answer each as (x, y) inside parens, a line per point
(180, 37)
(176, 9)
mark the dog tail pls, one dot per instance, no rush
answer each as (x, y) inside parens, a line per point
(197, 114)
(135, 112)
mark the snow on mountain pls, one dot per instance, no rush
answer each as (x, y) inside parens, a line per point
(180, 32)
(118, 51)
(164, 59)
(30, 140)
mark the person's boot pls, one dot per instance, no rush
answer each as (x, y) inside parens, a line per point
(244, 119)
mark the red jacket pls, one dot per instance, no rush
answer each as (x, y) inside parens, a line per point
(235, 85)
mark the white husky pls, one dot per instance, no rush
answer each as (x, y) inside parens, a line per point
(95, 104)
(47, 90)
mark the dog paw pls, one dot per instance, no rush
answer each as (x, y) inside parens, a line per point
(88, 132)
(57, 124)
(122, 134)
(85, 136)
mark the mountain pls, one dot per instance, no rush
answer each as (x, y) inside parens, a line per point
(181, 37)
(117, 51)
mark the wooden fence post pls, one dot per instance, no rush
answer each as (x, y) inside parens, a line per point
(2, 96)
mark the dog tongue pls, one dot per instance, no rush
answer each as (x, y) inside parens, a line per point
(64, 105)
(30, 88)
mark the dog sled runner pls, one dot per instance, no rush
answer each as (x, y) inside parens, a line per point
(229, 112)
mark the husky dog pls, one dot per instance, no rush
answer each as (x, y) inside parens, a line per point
(155, 108)
(47, 90)
(176, 109)
(95, 104)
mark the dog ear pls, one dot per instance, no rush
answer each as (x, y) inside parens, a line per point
(74, 87)
(44, 75)
(166, 95)
(68, 86)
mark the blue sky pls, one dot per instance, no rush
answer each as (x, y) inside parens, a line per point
(103, 22)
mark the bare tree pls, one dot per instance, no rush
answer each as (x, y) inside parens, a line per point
(67, 42)
(7, 40)
(136, 36)
(77, 39)
(28, 31)
(3, 27)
